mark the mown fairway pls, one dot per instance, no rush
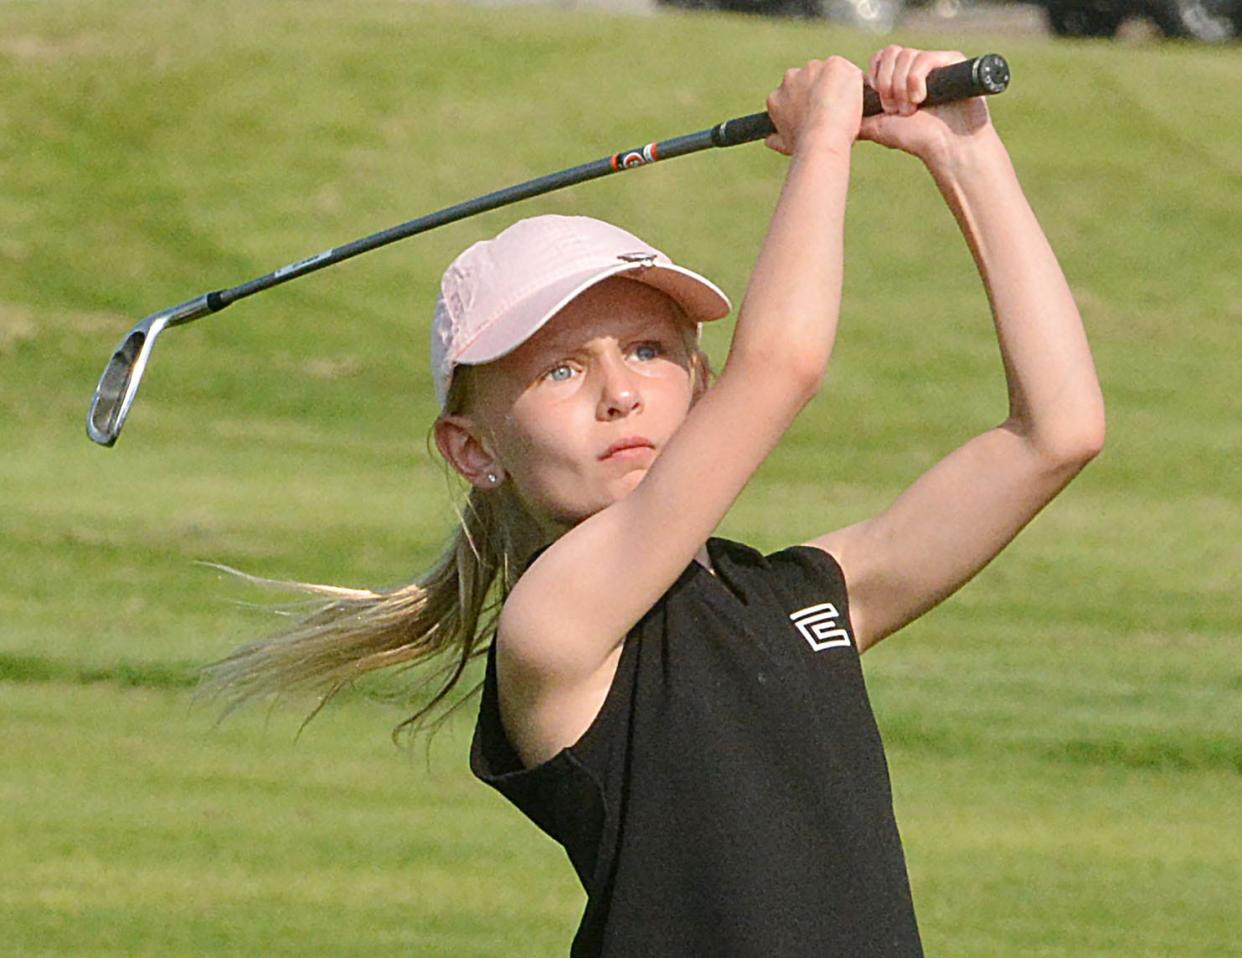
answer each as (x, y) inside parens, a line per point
(1063, 733)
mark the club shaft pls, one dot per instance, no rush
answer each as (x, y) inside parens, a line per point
(627, 159)
(118, 386)
(981, 76)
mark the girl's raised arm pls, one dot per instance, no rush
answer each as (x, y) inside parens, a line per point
(956, 517)
(573, 607)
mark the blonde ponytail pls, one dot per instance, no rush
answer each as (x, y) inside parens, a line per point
(449, 615)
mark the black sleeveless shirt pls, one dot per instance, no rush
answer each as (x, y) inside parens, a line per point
(731, 798)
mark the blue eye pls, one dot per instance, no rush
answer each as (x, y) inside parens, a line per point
(647, 350)
(552, 373)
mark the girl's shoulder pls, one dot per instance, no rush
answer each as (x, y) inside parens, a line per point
(798, 564)
(736, 563)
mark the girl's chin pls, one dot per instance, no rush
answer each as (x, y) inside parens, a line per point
(622, 487)
(612, 492)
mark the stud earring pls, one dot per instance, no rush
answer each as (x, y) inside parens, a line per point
(491, 477)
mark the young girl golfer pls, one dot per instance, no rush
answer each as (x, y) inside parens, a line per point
(683, 713)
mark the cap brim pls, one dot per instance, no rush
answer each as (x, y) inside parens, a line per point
(702, 300)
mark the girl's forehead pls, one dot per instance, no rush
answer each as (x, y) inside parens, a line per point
(616, 309)
(611, 309)
(572, 332)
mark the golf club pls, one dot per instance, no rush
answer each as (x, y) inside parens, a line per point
(985, 75)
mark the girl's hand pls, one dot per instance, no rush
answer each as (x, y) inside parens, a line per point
(818, 106)
(933, 134)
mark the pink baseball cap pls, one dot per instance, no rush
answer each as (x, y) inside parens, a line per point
(500, 292)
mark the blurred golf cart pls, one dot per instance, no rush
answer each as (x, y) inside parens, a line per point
(1211, 21)
(879, 16)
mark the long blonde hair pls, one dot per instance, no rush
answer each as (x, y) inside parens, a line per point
(448, 616)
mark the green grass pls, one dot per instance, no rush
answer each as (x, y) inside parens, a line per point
(1063, 733)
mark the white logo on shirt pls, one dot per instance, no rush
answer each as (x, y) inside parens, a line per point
(818, 625)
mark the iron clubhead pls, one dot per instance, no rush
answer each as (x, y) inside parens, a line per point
(119, 383)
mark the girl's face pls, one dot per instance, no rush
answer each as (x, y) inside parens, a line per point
(611, 366)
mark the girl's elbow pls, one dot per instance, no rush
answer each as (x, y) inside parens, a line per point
(1065, 444)
(805, 370)
(807, 378)
(1093, 442)
(798, 373)
(1075, 448)
(1090, 434)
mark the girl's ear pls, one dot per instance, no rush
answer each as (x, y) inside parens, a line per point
(462, 446)
(701, 371)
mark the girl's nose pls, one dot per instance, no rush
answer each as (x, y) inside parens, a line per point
(620, 395)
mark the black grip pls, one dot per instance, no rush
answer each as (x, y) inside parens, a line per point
(982, 76)
(742, 129)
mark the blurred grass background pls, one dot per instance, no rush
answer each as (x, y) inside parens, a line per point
(1063, 733)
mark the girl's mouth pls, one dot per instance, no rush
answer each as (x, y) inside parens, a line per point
(631, 447)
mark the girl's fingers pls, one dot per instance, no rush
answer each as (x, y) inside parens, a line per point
(899, 75)
(882, 75)
(916, 79)
(820, 94)
(900, 95)
(773, 141)
(925, 62)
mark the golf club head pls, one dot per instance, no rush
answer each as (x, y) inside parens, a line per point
(119, 383)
